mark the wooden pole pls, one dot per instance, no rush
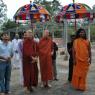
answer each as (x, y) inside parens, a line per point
(75, 15)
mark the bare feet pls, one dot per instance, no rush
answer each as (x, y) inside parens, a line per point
(47, 86)
(26, 90)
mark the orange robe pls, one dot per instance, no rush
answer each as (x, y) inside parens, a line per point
(30, 70)
(81, 66)
(45, 58)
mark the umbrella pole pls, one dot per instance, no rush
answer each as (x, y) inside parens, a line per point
(32, 26)
(75, 15)
(66, 38)
(75, 25)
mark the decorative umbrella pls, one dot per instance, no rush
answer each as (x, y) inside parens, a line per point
(33, 12)
(74, 11)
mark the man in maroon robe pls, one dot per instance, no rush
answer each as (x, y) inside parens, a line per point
(45, 58)
(30, 69)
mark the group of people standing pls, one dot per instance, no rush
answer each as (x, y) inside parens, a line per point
(44, 49)
(31, 50)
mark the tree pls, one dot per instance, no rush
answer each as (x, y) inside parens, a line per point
(38, 1)
(94, 8)
(56, 6)
(3, 10)
(9, 25)
(52, 6)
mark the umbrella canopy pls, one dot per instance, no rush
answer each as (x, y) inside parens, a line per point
(33, 12)
(73, 11)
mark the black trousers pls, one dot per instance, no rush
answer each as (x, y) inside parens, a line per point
(70, 70)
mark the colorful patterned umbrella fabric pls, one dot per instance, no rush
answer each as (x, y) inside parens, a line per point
(74, 10)
(33, 12)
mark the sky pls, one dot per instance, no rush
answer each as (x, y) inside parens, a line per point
(13, 5)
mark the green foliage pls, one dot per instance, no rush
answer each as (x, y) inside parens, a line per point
(55, 7)
(8, 25)
(3, 10)
(58, 34)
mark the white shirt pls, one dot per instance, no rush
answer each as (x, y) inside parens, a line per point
(0, 41)
(15, 43)
(36, 40)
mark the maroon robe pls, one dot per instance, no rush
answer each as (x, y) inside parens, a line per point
(30, 70)
(45, 58)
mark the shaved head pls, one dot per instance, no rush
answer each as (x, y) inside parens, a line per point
(46, 33)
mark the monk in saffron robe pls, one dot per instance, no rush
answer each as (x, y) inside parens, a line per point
(82, 60)
(45, 58)
(30, 69)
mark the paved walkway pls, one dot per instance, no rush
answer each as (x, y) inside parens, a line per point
(59, 87)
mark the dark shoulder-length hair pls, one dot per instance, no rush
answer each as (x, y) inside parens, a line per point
(78, 33)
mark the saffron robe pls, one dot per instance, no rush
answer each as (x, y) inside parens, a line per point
(30, 70)
(45, 58)
(81, 67)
